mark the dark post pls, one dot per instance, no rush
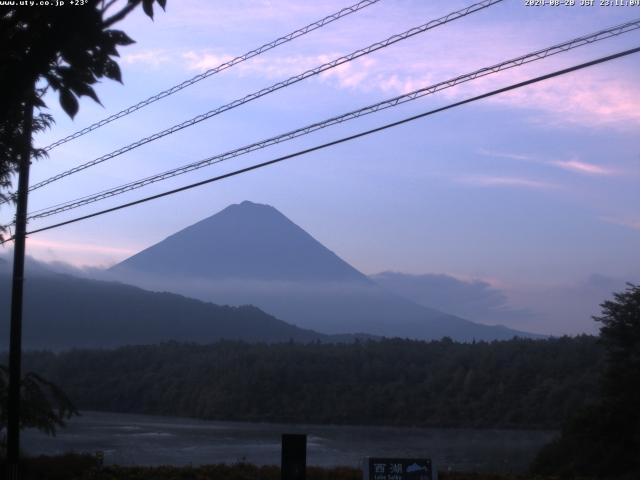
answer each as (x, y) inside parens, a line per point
(15, 340)
(294, 457)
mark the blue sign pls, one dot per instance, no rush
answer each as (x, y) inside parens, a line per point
(399, 469)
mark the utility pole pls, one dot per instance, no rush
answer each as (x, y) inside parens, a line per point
(15, 341)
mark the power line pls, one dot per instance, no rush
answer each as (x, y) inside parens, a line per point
(341, 140)
(253, 53)
(392, 102)
(277, 86)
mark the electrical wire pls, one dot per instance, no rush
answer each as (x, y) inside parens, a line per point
(277, 86)
(341, 140)
(392, 102)
(235, 61)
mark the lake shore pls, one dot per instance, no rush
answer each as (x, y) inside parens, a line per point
(130, 440)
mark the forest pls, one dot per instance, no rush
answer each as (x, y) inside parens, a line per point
(509, 384)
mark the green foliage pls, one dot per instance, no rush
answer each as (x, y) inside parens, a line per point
(65, 49)
(603, 439)
(44, 405)
(517, 383)
(620, 335)
(11, 140)
(71, 49)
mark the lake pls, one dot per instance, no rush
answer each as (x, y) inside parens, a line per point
(128, 439)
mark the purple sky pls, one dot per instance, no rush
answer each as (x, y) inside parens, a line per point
(533, 192)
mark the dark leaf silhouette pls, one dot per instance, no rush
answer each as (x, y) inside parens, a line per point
(119, 37)
(44, 405)
(67, 49)
(147, 6)
(603, 439)
(68, 102)
(86, 90)
(112, 71)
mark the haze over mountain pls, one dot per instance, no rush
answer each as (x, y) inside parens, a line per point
(62, 311)
(252, 254)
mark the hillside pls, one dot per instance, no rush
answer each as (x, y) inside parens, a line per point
(62, 312)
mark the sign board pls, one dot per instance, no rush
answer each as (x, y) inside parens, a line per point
(399, 469)
(294, 457)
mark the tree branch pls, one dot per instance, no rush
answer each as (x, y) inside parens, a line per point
(107, 6)
(122, 13)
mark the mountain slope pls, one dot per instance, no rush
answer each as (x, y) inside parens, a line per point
(252, 254)
(245, 241)
(62, 311)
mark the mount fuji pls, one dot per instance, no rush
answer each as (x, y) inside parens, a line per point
(250, 253)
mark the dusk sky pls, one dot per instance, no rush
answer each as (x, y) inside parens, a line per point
(534, 192)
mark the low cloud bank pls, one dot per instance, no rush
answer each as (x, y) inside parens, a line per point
(555, 310)
(475, 300)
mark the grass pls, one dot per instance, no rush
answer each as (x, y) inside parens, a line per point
(85, 467)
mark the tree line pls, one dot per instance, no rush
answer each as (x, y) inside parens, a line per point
(514, 384)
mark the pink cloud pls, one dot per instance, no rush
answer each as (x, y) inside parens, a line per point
(633, 223)
(595, 101)
(347, 75)
(583, 167)
(79, 247)
(503, 181)
(599, 99)
(604, 96)
(508, 155)
(77, 254)
(203, 61)
(152, 58)
(353, 74)
(572, 165)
